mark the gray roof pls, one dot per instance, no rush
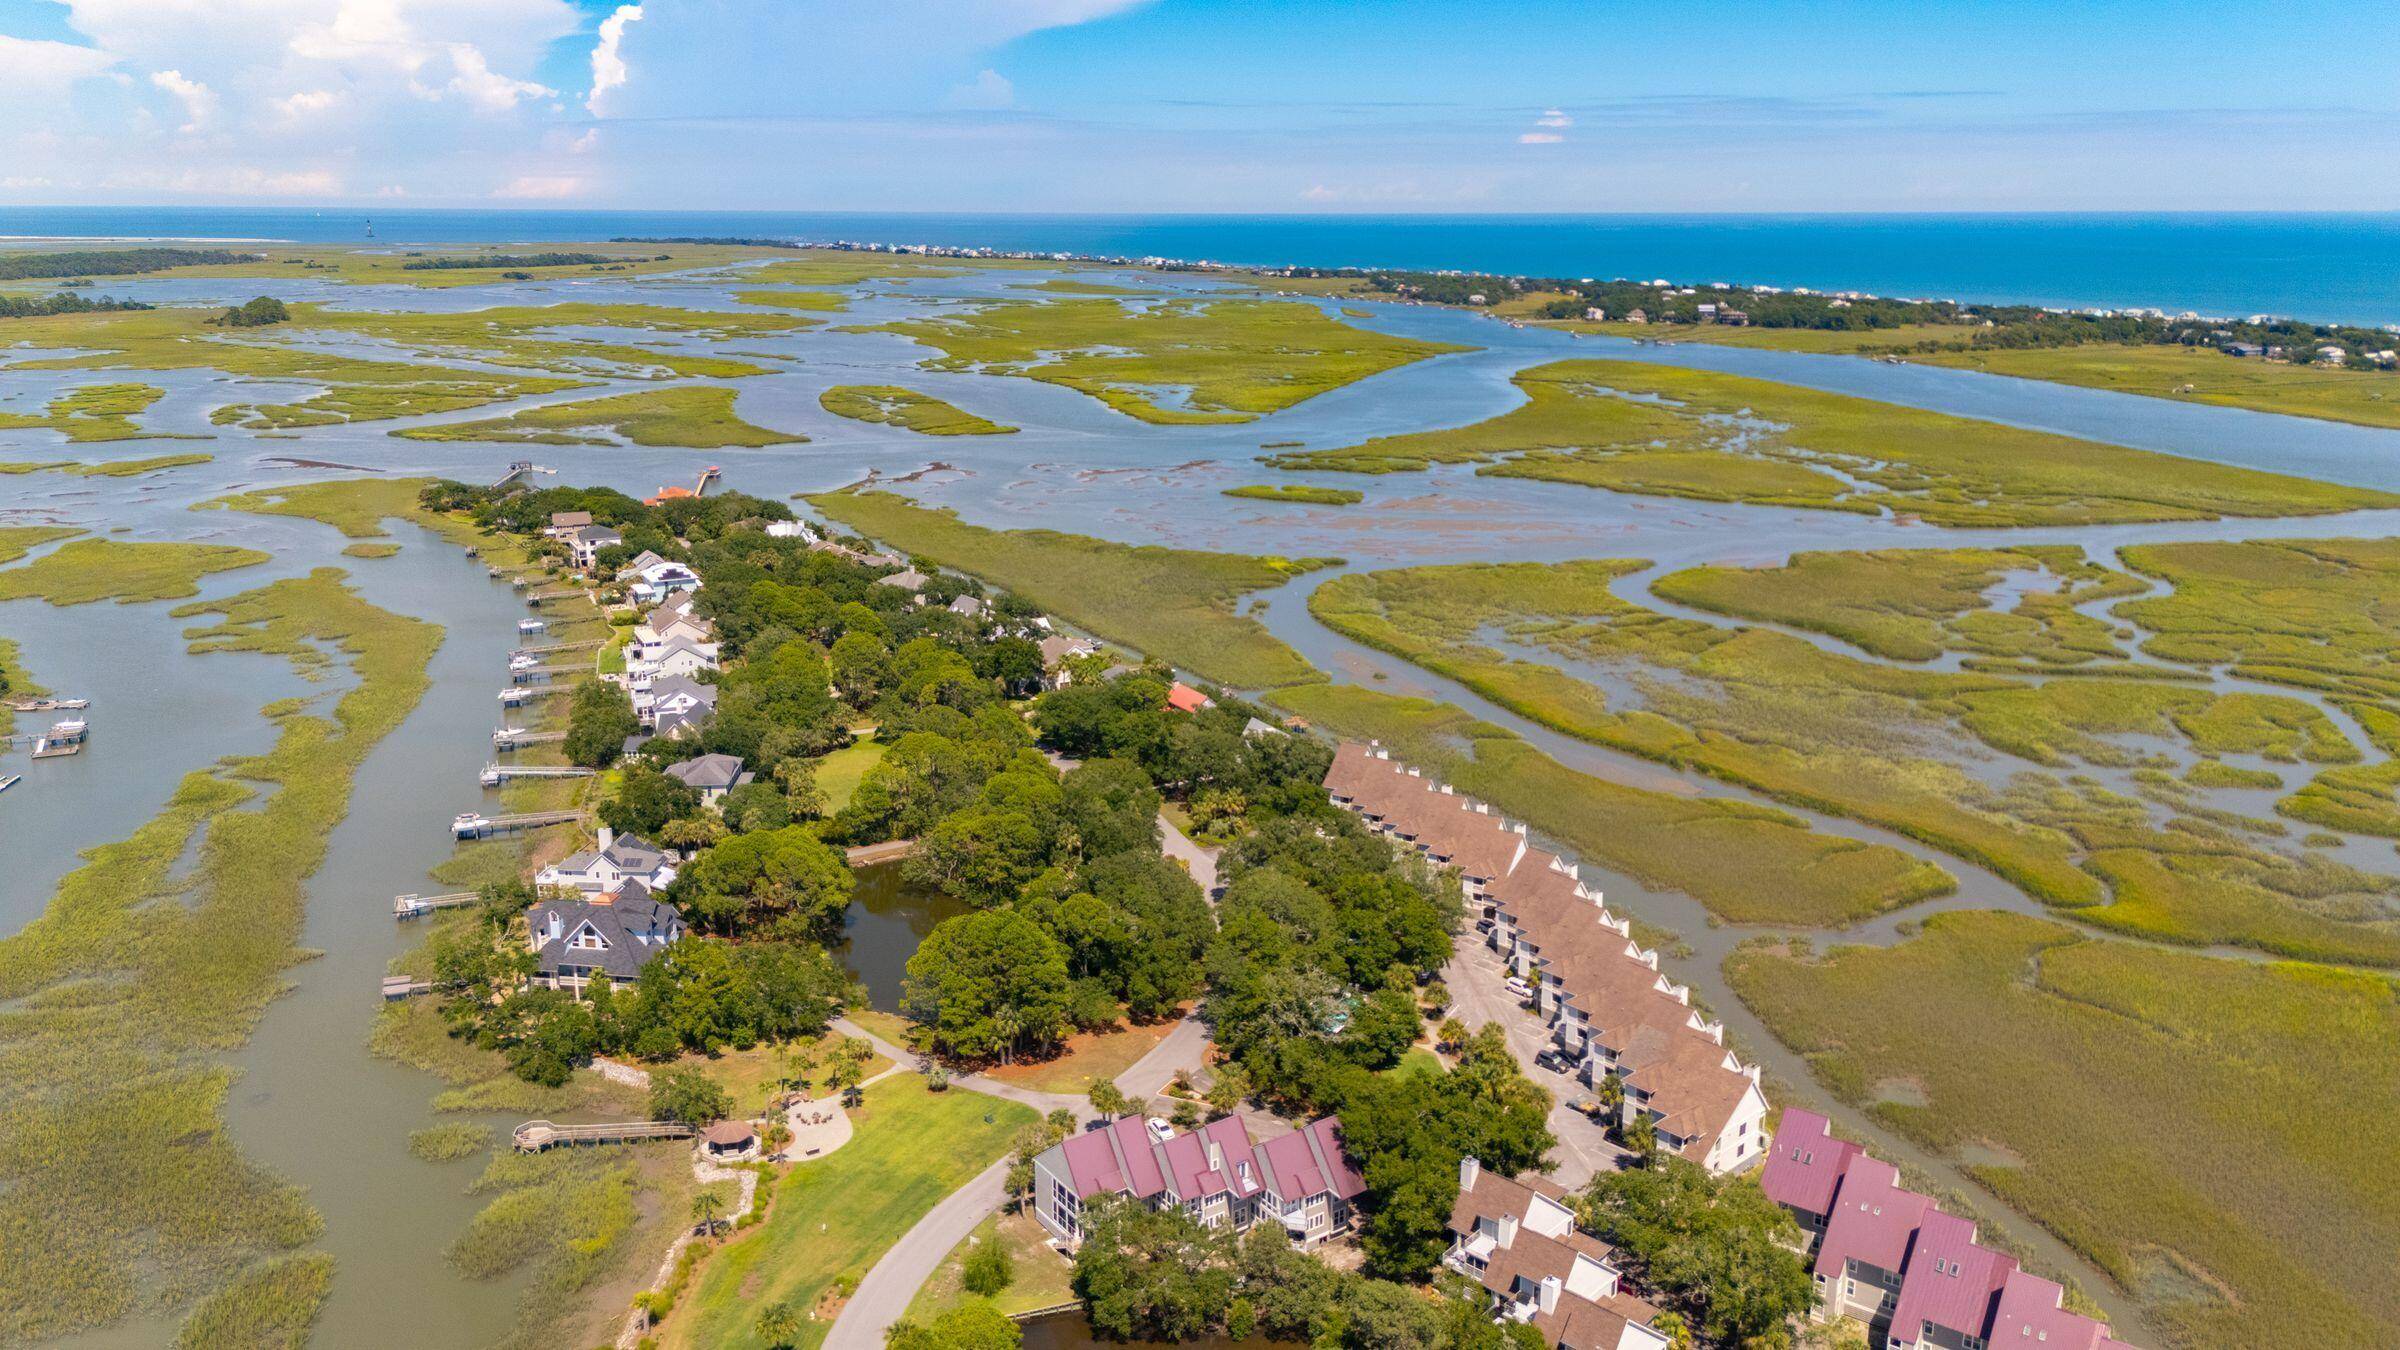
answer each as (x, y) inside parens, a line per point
(967, 605)
(709, 771)
(598, 534)
(630, 853)
(1255, 727)
(910, 580)
(561, 520)
(634, 926)
(667, 688)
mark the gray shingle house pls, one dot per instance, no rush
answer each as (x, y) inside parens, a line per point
(605, 937)
(712, 775)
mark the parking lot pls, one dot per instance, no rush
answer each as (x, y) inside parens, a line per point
(1475, 976)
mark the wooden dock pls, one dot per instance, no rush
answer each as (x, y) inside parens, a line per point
(494, 775)
(551, 648)
(398, 987)
(535, 1135)
(516, 694)
(525, 673)
(545, 597)
(405, 907)
(474, 825)
(502, 739)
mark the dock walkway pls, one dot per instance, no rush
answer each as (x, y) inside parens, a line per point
(535, 1135)
(494, 775)
(475, 826)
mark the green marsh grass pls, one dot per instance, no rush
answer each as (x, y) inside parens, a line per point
(894, 406)
(1307, 494)
(89, 570)
(690, 416)
(1173, 604)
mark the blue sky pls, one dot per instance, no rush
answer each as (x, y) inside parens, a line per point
(1205, 105)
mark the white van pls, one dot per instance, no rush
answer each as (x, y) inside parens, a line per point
(1522, 990)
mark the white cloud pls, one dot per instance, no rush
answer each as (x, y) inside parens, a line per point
(391, 190)
(233, 180)
(293, 107)
(199, 103)
(1540, 138)
(1552, 117)
(44, 69)
(989, 91)
(474, 80)
(609, 70)
(542, 188)
(20, 184)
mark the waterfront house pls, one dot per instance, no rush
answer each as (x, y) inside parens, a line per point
(649, 583)
(1056, 652)
(1518, 1240)
(563, 523)
(712, 775)
(968, 607)
(1183, 698)
(1610, 1009)
(678, 655)
(615, 860)
(790, 529)
(608, 935)
(1891, 1258)
(910, 580)
(1215, 1174)
(676, 705)
(584, 544)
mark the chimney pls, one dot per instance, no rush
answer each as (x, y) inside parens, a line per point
(1468, 1170)
(1508, 1231)
(1549, 1295)
(1216, 1157)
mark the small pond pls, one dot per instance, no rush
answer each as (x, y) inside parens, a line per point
(887, 918)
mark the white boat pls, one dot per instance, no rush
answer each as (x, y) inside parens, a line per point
(469, 824)
(68, 731)
(10, 781)
(522, 663)
(530, 625)
(506, 734)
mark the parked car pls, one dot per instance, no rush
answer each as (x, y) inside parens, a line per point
(1551, 1059)
(1519, 988)
(1161, 1129)
(1588, 1105)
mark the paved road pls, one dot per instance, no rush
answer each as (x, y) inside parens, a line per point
(888, 1288)
(1474, 976)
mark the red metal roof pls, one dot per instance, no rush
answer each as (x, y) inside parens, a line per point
(1805, 1167)
(1951, 1282)
(1873, 1218)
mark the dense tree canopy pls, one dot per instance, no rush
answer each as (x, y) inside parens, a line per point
(989, 985)
(786, 881)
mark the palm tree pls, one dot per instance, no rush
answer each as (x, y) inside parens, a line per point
(778, 1325)
(1452, 1033)
(707, 1206)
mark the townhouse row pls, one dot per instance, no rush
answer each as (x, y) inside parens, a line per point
(1216, 1174)
(1517, 1238)
(1610, 1009)
(1890, 1258)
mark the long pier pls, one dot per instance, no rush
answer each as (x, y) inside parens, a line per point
(545, 597)
(535, 1135)
(525, 673)
(405, 907)
(494, 775)
(474, 825)
(509, 738)
(550, 648)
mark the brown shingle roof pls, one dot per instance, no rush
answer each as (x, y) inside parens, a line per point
(1577, 1321)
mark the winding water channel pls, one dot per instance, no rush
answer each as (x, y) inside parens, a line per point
(314, 1106)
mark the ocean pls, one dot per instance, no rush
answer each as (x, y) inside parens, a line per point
(2329, 267)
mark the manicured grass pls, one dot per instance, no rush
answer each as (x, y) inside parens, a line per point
(691, 416)
(1305, 493)
(1916, 604)
(2198, 1127)
(1173, 604)
(1086, 1058)
(134, 982)
(1661, 430)
(836, 1215)
(1175, 362)
(2369, 398)
(1044, 1278)
(895, 406)
(840, 771)
(1747, 864)
(86, 570)
(92, 412)
(751, 1076)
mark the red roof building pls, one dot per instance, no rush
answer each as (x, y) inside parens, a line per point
(1183, 698)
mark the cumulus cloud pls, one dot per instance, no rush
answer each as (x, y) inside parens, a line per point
(609, 70)
(988, 90)
(38, 68)
(197, 100)
(473, 79)
(307, 102)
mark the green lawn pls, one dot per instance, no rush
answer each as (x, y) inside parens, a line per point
(1086, 1059)
(1173, 604)
(1043, 1278)
(837, 1215)
(840, 771)
(1665, 431)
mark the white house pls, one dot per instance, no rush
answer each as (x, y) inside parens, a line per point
(712, 775)
(606, 868)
